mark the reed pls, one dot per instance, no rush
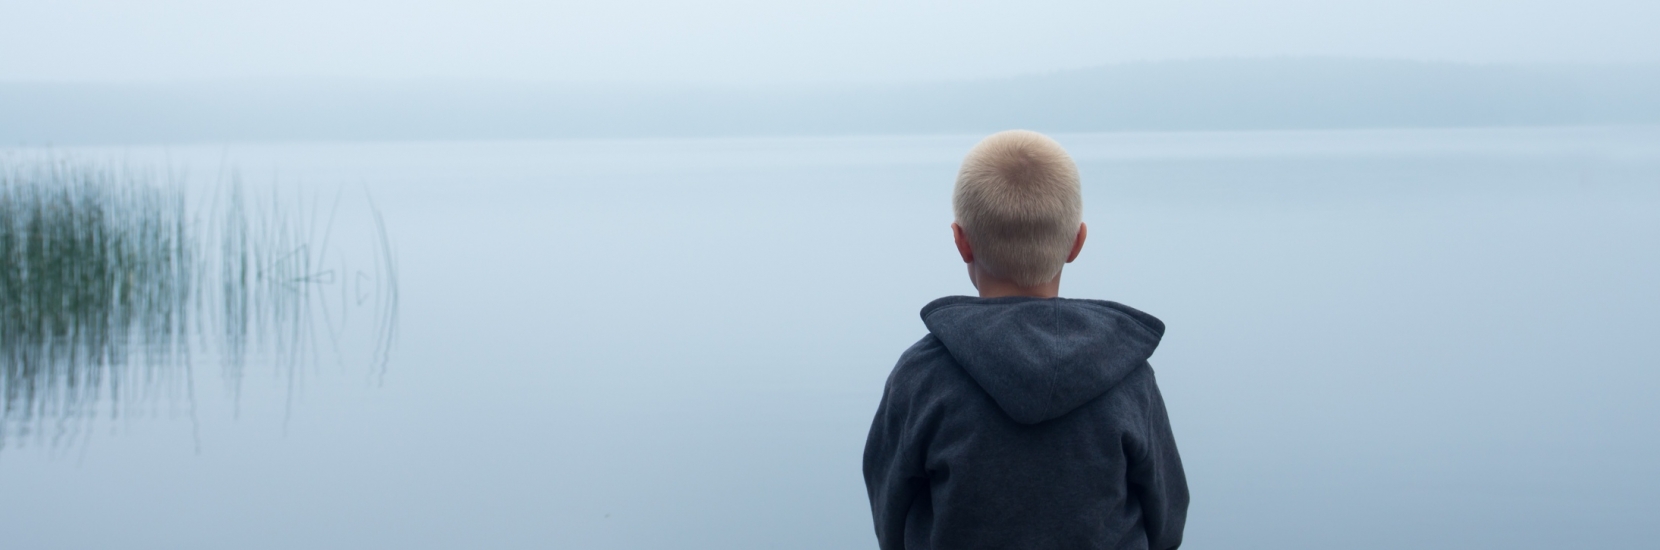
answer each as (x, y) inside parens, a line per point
(96, 269)
(109, 284)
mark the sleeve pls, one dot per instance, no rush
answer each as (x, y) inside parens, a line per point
(1156, 478)
(894, 476)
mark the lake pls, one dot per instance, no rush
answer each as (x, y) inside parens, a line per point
(1376, 339)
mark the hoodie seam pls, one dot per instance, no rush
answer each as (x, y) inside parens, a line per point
(1054, 370)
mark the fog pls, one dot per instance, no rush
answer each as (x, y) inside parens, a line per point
(106, 72)
(632, 274)
(747, 42)
(1267, 94)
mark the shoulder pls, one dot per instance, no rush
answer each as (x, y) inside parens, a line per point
(925, 369)
(923, 360)
(925, 351)
(1133, 398)
(1139, 382)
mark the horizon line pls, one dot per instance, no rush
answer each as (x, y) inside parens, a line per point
(837, 83)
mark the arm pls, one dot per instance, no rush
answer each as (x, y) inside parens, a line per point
(894, 477)
(1156, 478)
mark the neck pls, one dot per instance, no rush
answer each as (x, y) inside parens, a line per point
(996, 287)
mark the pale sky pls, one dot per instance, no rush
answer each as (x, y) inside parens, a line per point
(749, 42)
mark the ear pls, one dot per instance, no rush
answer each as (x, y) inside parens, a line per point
(1078, 245)
(962, 243)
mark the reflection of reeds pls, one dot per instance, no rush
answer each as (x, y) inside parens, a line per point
(386, 295)
(94, 262)
(265, 266)
(102, 274)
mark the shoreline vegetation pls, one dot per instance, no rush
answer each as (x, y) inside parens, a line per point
(1192, 95)
(113, 285)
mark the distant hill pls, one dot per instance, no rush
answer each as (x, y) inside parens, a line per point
(1229, 94)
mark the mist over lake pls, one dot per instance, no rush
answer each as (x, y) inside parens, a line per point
(1293, 93)
(1377, 338)
(633, 275)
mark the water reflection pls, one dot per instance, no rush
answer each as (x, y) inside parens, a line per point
(114, 286)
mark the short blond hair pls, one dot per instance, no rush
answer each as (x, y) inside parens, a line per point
(1019, 202)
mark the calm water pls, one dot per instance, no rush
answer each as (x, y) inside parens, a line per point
(1378, 339)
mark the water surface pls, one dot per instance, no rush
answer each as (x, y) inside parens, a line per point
(1377, 339)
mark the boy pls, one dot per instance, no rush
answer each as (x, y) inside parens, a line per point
(1024, 421)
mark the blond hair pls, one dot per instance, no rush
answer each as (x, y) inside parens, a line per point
(1018, 200)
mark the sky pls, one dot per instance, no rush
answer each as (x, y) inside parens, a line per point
(799, 41)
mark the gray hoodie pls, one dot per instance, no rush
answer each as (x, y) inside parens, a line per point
(1026, 423)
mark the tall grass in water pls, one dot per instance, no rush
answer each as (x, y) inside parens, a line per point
(264, 263)
(110, 285)
(96, 270)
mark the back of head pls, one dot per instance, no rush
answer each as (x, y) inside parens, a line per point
(1018, 200)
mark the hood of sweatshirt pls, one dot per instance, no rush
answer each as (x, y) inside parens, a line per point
(1040, 358)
